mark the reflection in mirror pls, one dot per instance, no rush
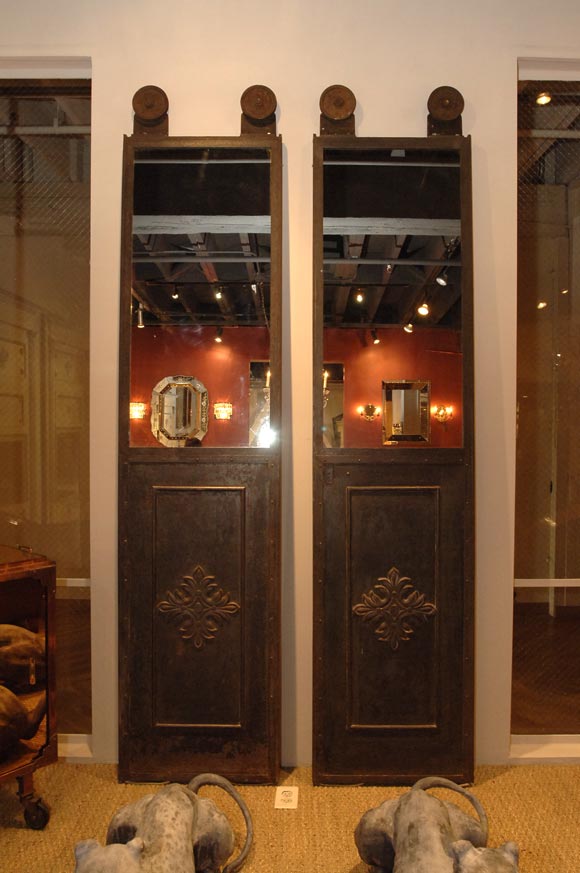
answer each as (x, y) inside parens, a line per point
(200, 282)
(179, 411)
(333, 405)
(260, 433)
(405, 412)
(392, 279)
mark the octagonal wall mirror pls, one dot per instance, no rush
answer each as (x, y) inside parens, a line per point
(179, 411)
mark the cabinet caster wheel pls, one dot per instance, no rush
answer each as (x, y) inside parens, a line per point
(36, 815)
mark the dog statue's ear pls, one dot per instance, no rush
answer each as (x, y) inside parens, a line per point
(461, 848)
(84, 847)
(136, 846)
(512, 850)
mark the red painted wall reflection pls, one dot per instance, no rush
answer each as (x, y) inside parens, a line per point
(224, 369)
(429, 354)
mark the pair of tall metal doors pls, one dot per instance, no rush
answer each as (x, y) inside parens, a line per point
(200, 469)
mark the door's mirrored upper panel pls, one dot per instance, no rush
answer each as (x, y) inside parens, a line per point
(201, 282)
(392, 287)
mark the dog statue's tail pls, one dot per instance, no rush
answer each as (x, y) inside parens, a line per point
(441, 782)
(222, 782)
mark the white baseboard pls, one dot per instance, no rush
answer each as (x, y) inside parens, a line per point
(545, 749)
(75, 748)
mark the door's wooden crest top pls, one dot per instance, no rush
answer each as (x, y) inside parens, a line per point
(393, 606)
(199, 607)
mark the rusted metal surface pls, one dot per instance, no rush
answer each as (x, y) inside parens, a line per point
(445, 105)
(337, 106)
(258, 104)
(385, 714)
(211, 707)
(150, 105)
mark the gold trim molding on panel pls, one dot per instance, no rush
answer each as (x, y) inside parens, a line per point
(199, 606)
(392, 607)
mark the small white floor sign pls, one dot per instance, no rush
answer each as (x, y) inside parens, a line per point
(286, 797)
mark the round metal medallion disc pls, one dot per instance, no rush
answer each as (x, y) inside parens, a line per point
(150, 103)
(258, 102)
(337, 102)
(445, 103)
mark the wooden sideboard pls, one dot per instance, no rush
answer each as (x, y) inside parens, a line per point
(28, 737)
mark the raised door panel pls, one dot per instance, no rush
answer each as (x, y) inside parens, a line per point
(201, 640)
(393, 643)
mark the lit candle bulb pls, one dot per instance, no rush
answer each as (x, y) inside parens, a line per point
(324, 380)
(267, 379)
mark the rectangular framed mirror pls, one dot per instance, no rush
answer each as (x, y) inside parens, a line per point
(406, 411)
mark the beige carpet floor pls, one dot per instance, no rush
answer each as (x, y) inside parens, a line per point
(537, 806)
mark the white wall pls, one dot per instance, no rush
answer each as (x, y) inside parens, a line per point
(392, 56)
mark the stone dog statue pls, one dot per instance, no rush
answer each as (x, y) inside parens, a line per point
(419, 833)
(172, 831)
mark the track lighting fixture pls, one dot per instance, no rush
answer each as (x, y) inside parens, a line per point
(423, 309)
(218, 294)
(218, 335)
(375, 337)
(359, 297)
(543, 98)
(441, 279)
(409, 328)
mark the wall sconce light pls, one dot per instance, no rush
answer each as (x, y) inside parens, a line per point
(369, 411)
(223, 411)
(218, 335)
(137, 410)
(140, 322)
(442, 413)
